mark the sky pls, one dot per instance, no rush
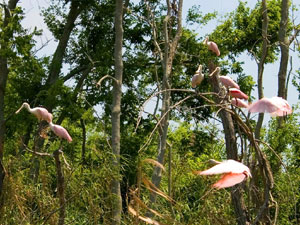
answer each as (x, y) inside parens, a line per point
(33, 18)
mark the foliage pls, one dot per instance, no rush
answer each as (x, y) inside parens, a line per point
(195, 136)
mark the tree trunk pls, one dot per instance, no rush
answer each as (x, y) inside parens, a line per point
(116, 111)
(231, 150)
(58, 56)
(261, 65)
(56, 64)
(83, 141)
(60, 188)
(157, 173)
(263, 210)
(3, 80)
(166, 57)
(284, 48)
(284, 44)
(38, 146)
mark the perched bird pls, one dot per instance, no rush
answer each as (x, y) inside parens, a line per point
(276, 106)
(212, 46)
(60, 131)
(239, 103)
(196, 80)
(198, 77)
(233, 173)
(236, 93)
(228, 82)
(39, 112)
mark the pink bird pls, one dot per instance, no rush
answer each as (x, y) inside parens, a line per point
(236, 93)
(39, 112)
(60, 131)
(285, 108)
(239, 103)
(276, 106)
(228, 82)
(212, 46)
(233, 173)
(198, 77)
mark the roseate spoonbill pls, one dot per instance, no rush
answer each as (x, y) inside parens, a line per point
(212, 46)
(60, 131)
(233, 173)
(228, 82)
(198, 77)
(276, 106)
(239, 103)
(236, 93)
(39, 112)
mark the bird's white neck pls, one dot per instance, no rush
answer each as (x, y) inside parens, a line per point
(27, 106)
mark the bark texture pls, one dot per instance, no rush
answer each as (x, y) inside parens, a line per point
(231, 148)
(58, 56)
(284, 48)
(116, 111)
(261, 64)
(166, 57)
(57, 61)
(4, 71)
(83, 149)
(60, 188)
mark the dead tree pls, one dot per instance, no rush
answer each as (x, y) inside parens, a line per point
(166, 58)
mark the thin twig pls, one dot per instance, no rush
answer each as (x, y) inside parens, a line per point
(38, 153)
(172, 89)
(157, 124)
(65, 161)
(104, 77)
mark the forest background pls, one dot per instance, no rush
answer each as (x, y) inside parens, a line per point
(117, 75)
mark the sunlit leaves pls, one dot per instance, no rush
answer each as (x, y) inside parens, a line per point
(196, 16)
(242, 31)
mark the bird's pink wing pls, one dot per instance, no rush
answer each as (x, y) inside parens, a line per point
(228, 82)
(286, 110)
(61, 132)
(236, 93)
(42, 114)
(46, 115)
(239, 103)
(281, 113)
(283, 107)
(213, 47)
(37, 112)
(229, 180)
(263, 105)
(196, 80)
(228, 166)
(49, 117)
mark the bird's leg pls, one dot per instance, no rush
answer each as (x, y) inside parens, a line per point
(61, 143)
